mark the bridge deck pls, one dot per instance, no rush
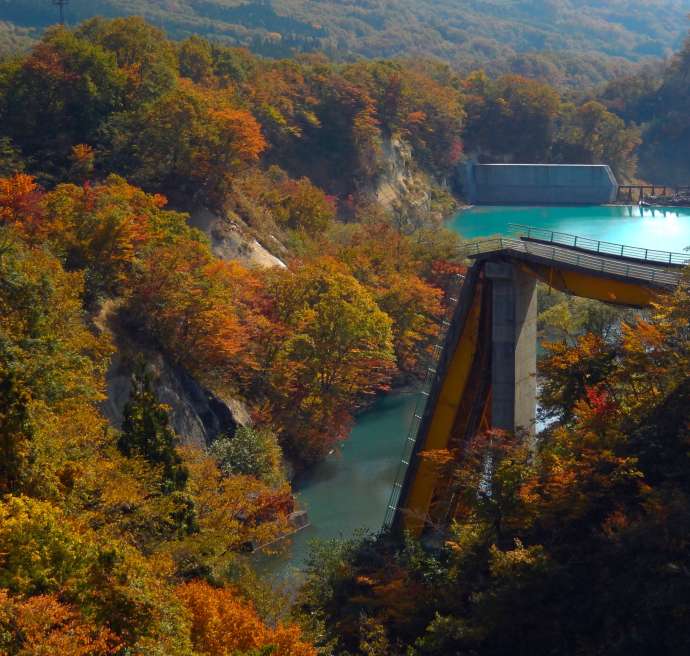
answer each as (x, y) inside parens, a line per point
(635, 254)
(563, 257)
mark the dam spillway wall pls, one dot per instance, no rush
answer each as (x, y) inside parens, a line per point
(539, 184)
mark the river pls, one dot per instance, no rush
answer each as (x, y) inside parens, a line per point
(350, 489)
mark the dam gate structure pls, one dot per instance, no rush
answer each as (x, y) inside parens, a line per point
(485, 376)
(538, 184)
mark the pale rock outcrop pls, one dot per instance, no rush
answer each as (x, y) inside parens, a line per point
(230, 240)
(400, 180)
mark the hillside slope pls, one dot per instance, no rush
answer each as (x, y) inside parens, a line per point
(588, 36)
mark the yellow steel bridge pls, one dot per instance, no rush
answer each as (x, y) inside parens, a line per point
(485, 374)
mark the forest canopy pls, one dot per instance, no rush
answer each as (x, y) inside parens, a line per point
(564, 41)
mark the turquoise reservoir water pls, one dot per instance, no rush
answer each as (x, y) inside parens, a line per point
(667, 229)
(350, 490)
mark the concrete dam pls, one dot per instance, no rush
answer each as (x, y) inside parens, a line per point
(538, 184)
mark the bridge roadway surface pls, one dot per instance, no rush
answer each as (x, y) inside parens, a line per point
(657, 274)
(485, 376)
(634, 254)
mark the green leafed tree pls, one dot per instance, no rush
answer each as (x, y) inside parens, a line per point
(11, 161)
(592, 135)
(146, 432)
(195, 58)
(250, 452)
(58, 96)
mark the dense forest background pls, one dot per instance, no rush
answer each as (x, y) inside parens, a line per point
(562, 41)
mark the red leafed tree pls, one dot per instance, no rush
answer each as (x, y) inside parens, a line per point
(44, 626)
(20, 205)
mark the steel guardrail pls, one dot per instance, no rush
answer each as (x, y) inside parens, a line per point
(648, 255)
(585, 261)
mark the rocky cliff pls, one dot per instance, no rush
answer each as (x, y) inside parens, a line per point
(197, 415)
(231, 239)
(403, 187)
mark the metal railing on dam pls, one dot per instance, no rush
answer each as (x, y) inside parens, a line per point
(608, 266)
(637, 193)
(648, 255)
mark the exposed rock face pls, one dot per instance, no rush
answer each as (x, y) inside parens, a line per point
(197, 415)
(229, 241)
(400, 180)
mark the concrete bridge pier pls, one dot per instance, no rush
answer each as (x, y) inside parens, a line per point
(514, 348)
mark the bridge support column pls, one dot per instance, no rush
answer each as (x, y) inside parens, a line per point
(514, 348)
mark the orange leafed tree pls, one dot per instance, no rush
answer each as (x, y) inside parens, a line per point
(224, 624)
(44, 626)
(233, 142)
(187, 301)
(191, 140)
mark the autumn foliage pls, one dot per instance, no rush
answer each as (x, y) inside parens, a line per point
(44, 626)
(127, 539)
(79, 517)
(222, 625)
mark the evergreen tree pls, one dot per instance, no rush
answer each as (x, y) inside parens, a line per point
(146, 432)
(15, 432)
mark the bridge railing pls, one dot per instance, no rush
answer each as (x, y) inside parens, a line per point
(648, 255)
(411, 439)
(652, 274)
